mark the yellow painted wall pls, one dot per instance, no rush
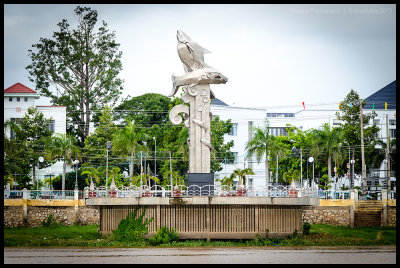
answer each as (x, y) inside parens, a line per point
(336, 202)
(43, 203)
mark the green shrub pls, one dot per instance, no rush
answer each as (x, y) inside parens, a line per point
(306, 228)
(132, 228)
(47, 222)
(163, 236)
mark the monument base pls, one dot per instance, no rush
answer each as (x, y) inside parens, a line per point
(198, 181)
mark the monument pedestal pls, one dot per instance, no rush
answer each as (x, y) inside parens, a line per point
(196, 181)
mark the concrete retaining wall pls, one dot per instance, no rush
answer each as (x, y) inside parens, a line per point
(31, 213)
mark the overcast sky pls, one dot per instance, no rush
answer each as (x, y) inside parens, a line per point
(273, 55)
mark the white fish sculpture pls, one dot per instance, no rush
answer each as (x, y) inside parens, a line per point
(200, 76)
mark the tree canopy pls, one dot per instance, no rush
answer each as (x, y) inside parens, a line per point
(82, 66)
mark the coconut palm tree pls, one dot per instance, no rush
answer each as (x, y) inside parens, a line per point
(228, 181)
(62, 147)
(115, 175)
(260, 145)
(279, 150)
(241, 173)
(291, 175)
(326, 141)
(263, 144)
(9, 179)
(92, 173)
(128, 142)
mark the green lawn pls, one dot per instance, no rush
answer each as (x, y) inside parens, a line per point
(87, 236)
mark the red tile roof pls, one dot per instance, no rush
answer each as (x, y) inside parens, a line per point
(19, 88)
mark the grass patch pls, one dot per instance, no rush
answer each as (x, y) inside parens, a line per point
(56, 235)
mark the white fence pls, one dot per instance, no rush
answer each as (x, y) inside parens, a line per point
(206, 190)
(42, 194)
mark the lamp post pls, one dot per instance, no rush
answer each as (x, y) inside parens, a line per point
(50, 173)
(352, 161)
(155, 155)
(41, 159)
(311, 160)
(145, 144)
(385, 163)
(295, 151)
(76, 162)
(141, 171)
(351, 182)
(108, 146)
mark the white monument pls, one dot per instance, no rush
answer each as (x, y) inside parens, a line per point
(197, 93)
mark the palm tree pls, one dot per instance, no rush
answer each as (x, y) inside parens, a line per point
(179, 180)
(228, 181)
(9, 179)
(62, 147)
(279, 150)
(115, 176)
(127, 142)
(260, 145)
(93, 173)
(291, 175)
(327, 141)
(241, 173)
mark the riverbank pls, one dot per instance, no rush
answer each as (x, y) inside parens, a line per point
(87, 236)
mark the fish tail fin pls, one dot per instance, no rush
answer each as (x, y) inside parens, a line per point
(174, 89)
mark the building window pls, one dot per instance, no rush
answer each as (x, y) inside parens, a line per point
(392, 122)
(336, 122)
(392, 133)
(26, 99)
(52, 125)
(280, 114)
(235, 154)
(376, 122)
(16, 120)
(251, 182)
(278, 131)
(10, 99)
(18, 99)
(233, 130)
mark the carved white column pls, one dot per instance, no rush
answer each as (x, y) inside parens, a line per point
(196, 85)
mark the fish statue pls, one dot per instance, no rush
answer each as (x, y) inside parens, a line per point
(200, 76)
(190, 53)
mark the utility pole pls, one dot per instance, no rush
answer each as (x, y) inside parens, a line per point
(277, 168)
(301, 168)
(363, 171)
(170, 169)
(387, 152)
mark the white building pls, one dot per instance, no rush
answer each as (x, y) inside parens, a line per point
(304, 117)
(17, 99)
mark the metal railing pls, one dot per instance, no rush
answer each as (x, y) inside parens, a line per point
(13, 194)
(42, 194)
(206, 190)
(334, 194)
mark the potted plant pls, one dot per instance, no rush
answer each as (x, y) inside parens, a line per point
(241, 174)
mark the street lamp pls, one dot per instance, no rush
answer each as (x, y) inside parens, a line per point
(41, 159)
(311, 160)
(351, 182)
(155, 155)
(108, 147)
(352, 161)
(76, 162)
(295, 151)
(50, 173)
(145, 144)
